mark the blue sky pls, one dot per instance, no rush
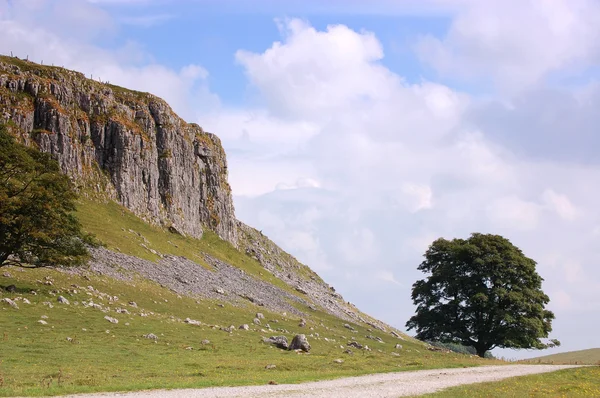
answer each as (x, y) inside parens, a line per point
(358, 132)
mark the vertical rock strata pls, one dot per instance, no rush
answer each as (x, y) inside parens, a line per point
(121, 144)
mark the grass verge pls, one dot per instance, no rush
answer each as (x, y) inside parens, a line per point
(580, 382)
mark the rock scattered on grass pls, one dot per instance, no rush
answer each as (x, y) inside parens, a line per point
(300, 342)
(338, 360)
(245, 327)
(348, 326)
(270, 366)
(150, 336)
(63, 300)
(277, 341)
(376, 338)
(259, 315)
(355, 344)
(256, 321)
(398, 346)
(192, 322)
(10, 302)
(42, 322)
(111, 319)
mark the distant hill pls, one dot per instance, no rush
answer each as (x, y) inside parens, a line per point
(583, 357)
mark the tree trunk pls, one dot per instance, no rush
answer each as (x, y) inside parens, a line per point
(481, 351)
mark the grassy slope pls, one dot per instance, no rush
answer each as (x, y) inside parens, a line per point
(582, 382)
(583, 357)
(38, 359)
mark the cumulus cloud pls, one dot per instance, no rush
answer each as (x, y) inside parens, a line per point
(517, 42)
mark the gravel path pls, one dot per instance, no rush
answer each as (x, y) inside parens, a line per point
(376, 386)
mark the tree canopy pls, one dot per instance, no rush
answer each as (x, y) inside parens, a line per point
(481, 292)
(37, 224)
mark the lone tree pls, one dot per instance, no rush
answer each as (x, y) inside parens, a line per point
(37, 224)
(482, 292)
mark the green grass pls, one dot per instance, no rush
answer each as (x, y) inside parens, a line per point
(122, 231)
(582, 357)
(581, 382)
(38, 359)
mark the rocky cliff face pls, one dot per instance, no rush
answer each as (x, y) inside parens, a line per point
(124, 145)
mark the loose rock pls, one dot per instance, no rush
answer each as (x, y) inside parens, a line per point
(150, 336)
(62, 300)
(11, 303)
(355, 344)
(277, 341)
(111, 319)
(299, 342)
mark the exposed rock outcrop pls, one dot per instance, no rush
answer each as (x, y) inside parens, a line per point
(122, 144)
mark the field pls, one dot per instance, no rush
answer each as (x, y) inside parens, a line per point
(51, 348)
(583, 357)
(581, 382)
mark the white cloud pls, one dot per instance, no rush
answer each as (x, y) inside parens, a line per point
(513, 212)
(517, 42)
(560, 204)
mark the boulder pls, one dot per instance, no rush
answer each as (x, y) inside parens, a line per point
(11, 303)
(299, 342)
(277, 341)
(245, 327)
(355, 344)
(151, 336)
(62, 300)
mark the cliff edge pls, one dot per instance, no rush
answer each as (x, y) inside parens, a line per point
(122, 145)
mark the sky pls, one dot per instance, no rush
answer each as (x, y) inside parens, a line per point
(359, 132)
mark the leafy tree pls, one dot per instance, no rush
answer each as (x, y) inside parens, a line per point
(37, 224)
(481, 292)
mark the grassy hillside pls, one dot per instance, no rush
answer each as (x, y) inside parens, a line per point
(583, 357)
(75, 349)
(582, 382)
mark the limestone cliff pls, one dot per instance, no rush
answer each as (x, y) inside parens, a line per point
(121, 144)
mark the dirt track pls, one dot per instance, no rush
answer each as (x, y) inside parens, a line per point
(376, 386)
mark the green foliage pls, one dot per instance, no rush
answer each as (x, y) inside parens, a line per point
(37, 224)
(481, 292)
